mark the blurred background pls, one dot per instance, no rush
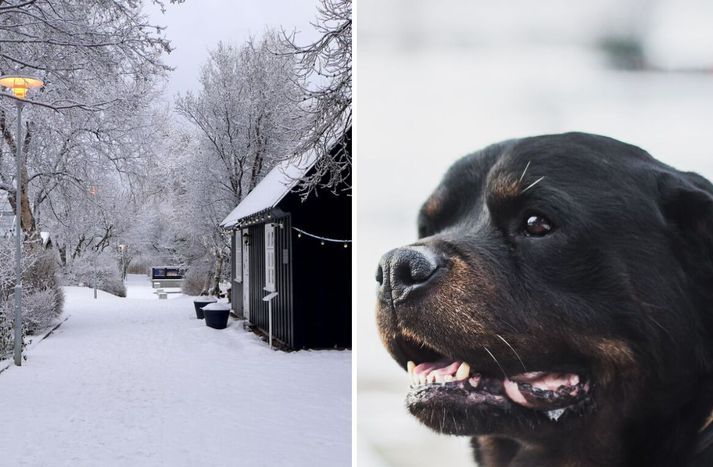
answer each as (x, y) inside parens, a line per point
(437, 80)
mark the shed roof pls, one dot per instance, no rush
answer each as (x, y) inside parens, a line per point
(270, 191)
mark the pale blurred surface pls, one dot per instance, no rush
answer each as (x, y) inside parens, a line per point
(436, 80)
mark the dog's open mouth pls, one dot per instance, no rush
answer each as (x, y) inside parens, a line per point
(546, 392)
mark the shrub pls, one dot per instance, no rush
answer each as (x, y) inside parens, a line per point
(7, 328)
(194, 282)
(42, 297)
(100, 267)
(139, 265)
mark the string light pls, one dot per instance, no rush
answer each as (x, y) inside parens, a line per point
(321, 239)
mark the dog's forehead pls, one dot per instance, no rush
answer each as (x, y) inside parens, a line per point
(572, 163)
(509, 169)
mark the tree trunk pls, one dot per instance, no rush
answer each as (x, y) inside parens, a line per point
(259, 156)
(62, 255)
(28, 219)
(215, 289)
(206, 284)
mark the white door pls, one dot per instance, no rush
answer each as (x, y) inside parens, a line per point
(246, 280)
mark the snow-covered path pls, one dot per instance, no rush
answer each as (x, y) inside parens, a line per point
(142, 382)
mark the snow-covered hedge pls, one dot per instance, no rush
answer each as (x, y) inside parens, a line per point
(107, 275)
(194, 282)
(42, 297)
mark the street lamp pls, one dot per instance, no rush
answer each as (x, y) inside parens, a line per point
(19, 85)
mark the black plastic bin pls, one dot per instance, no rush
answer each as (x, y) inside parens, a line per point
(217, 317)
(200, 302)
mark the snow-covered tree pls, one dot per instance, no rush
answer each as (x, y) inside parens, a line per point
(91, 54)
(246, 113)
(94, 122)
(101, 62)
(246, 117)
(326, 68)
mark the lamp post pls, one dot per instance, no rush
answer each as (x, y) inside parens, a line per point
(19, 85)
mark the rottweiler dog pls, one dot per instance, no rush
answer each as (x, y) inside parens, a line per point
(558, 306)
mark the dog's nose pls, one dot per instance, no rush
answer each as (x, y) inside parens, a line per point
(403, 269)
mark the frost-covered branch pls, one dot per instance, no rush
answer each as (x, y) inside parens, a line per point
(325, 67)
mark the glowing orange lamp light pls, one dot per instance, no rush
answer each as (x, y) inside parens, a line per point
(19, 85)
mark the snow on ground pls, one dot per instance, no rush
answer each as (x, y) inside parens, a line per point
(141, 382)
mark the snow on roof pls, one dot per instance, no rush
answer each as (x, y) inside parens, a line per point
(270, 191)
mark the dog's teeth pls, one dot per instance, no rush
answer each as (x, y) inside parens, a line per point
(431, 378)
(447, 379)
(410, 366)
(474, 381)
(422, 379)
(463, 371)
(555, 414)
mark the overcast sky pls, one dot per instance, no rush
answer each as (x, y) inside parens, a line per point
(196, 26)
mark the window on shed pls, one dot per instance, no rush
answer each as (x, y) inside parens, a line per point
(269, 257)
(238, 255)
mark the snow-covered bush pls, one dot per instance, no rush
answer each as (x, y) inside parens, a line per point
(42, 297)
(139, 265)
(194, 282)
(100, 267)
(39, 309)
(7, 328)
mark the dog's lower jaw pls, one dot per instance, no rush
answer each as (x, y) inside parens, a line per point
(601, 442)
(494, 451)
(610, 445)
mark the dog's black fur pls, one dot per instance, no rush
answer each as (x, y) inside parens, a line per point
(620, 289)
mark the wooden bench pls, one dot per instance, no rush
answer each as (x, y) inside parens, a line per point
(166, 283)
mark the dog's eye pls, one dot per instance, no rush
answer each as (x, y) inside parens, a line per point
(537, 226)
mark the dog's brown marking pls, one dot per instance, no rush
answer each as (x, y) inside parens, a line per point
(432, 206)
(614, 356)
(494, 451)
(456, 300)
(454, 303)
(504, 186)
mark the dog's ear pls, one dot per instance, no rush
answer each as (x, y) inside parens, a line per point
(687, 203)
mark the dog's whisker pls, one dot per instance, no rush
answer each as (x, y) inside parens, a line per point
(524, 172)
(513, 351)
(533, 184)
(497, 362)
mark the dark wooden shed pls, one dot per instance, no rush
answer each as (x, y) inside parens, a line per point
(299, 248)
